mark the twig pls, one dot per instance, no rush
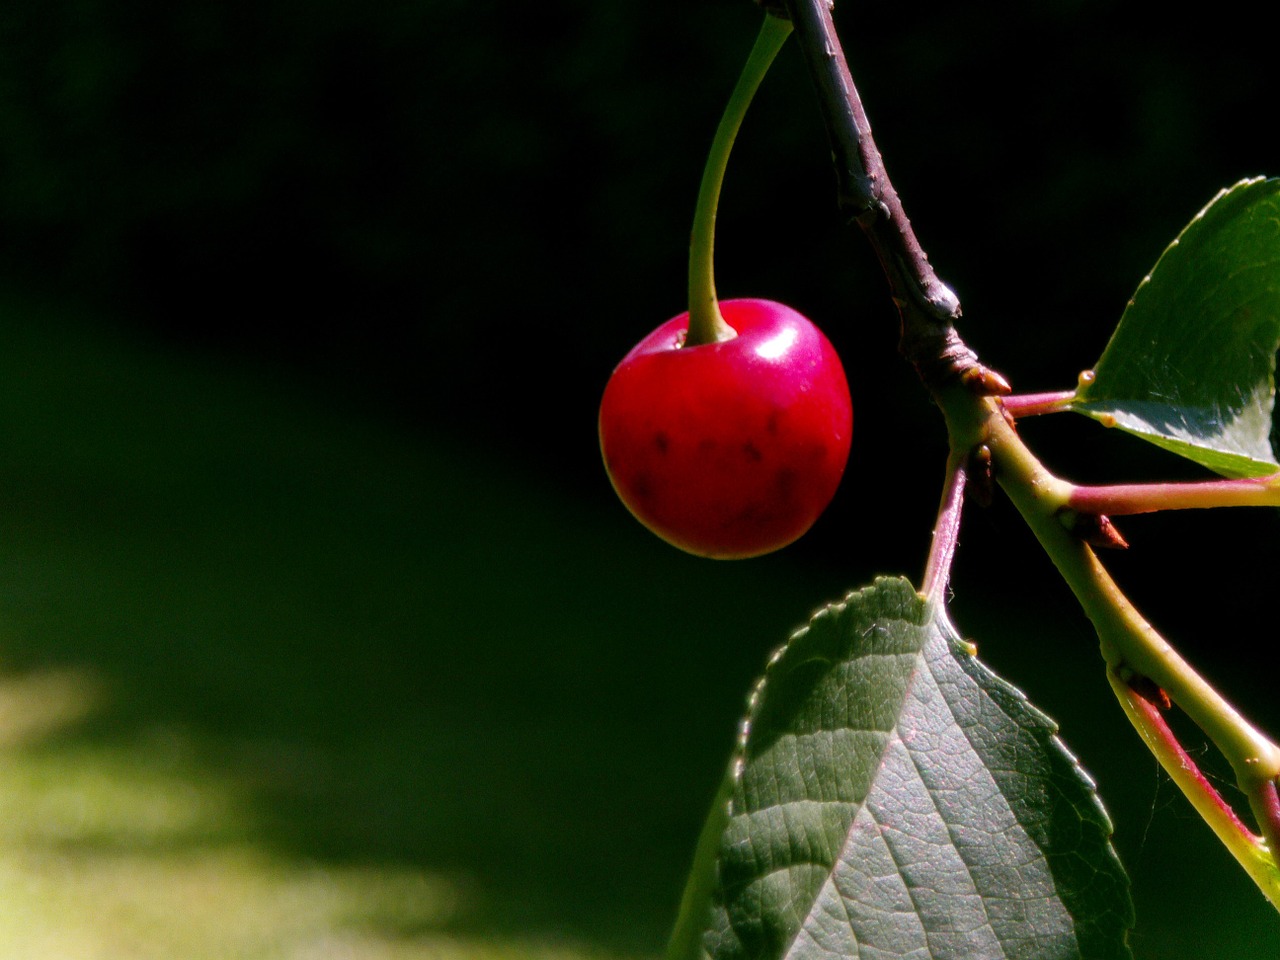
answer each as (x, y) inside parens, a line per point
(968, 397)
(928, 306)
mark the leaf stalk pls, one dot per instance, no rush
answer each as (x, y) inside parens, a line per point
(1037, 404)
(1128, 640)
(946, 530)
(1133, 498)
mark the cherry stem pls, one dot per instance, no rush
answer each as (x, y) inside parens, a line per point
(1035, 404)
(946, 530)
(706, 323)
(1131, 498)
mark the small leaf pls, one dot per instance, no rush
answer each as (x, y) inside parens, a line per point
(891, 797)
(1191, 366)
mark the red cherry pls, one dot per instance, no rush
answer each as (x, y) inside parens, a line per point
(729, 449)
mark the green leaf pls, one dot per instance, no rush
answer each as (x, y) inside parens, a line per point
(890, 797)
(1191, 366)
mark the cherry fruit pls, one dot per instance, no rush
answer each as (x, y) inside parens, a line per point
(732, 448)
(726, 430)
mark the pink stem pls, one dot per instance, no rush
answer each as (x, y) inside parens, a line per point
(1129, 498)
(946, 531)
(1034, 404)
(1266, 807)
(1166, 741)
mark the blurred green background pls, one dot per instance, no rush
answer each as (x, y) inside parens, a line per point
(321, 633)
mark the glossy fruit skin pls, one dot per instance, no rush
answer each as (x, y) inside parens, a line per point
(729, 449)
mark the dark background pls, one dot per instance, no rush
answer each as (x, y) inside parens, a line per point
(467, 212)
(454, 218)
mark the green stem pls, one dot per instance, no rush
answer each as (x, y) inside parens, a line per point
(706, 324)
(1265, 803)
(929, 339)
(1130, 645)
(1128, 641)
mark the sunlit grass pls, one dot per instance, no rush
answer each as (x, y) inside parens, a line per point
(39, 704)
(135, 850)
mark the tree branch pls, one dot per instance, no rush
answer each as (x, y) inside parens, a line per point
(928, 307)
(967, 394)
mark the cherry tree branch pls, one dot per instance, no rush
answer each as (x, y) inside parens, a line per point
(928, 307)
(977, 421)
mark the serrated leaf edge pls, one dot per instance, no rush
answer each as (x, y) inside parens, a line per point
(965, 655)
(1107, 412)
